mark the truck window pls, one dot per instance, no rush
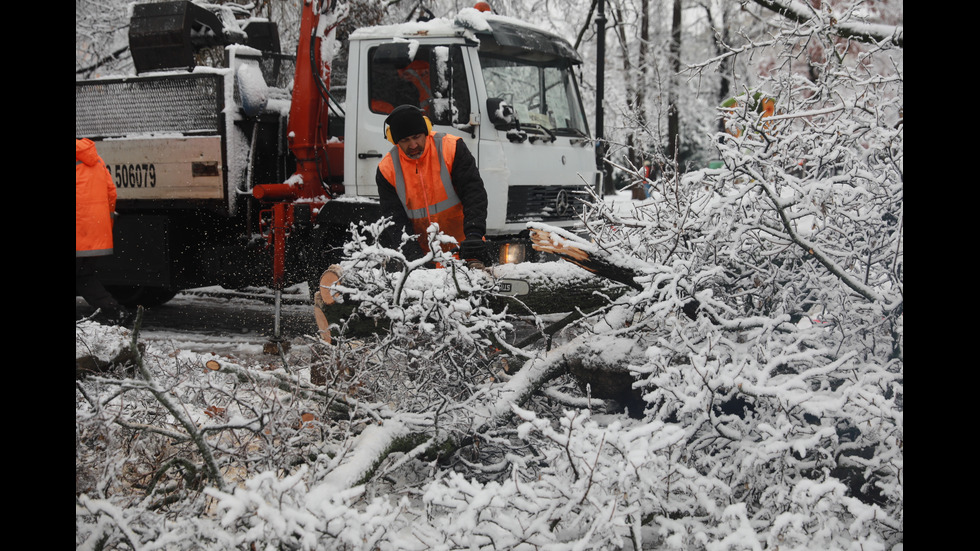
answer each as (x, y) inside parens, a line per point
(434, 80)
(542, 93)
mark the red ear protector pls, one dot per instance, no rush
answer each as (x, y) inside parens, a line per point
(428, 123)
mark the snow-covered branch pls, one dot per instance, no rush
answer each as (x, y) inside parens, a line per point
(804, 13)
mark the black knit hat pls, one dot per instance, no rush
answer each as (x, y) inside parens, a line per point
(405, 121)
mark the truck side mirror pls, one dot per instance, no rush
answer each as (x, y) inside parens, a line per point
(500, 112)
(503, 117)
(394, 54)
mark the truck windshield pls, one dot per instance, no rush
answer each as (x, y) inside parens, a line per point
(542, 93)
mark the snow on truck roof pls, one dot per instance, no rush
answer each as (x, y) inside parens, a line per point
(476, 25)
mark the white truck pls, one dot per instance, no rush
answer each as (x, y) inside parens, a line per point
(250, 173)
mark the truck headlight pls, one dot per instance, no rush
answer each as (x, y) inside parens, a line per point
(511, 253)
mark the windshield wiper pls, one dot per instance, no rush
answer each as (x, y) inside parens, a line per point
(520, 131)
(535, 126)
(569, 131)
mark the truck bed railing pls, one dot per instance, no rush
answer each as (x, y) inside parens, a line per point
(189, 104)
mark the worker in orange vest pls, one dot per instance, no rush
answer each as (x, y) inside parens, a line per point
(95, 203)
(427, 178)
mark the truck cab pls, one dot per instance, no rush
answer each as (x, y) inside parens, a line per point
(507, 89)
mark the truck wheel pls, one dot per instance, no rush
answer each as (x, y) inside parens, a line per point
(132, 296)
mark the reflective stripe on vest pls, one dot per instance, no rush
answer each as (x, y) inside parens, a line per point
(451, 198)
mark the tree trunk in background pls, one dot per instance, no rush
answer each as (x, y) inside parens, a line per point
(631, 81)
(608, 187)
(673, 113)
(635, 85)
(721, 38)
(639, 192)
(641, 89)
(635, 72)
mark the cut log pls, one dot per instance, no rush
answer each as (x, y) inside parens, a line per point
(325, 296)
(586, 255)
(328, 309)
(596, 260)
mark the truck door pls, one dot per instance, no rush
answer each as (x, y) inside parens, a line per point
(431, 76)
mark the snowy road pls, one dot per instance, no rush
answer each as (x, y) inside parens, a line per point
(214, 320)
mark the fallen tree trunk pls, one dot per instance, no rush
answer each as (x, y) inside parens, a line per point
(551, 290)
(430, 435)
(551, 295)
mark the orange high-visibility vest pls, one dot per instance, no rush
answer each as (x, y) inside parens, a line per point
(95, 201)
(425, 187)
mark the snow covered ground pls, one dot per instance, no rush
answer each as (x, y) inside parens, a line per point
(271, 459)
(216, 320)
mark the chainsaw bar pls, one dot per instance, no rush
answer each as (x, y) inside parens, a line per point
(513, 287)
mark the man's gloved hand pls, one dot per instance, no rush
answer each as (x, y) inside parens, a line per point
(473, 248)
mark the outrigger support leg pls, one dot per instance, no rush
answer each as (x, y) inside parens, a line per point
(280, 222)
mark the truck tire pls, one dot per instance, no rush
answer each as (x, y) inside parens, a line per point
(132, 296)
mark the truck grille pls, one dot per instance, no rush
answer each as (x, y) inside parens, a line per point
(188, 104)
(544, 203)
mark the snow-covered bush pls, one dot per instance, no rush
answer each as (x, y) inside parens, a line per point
(789, 383)
(436, 334)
